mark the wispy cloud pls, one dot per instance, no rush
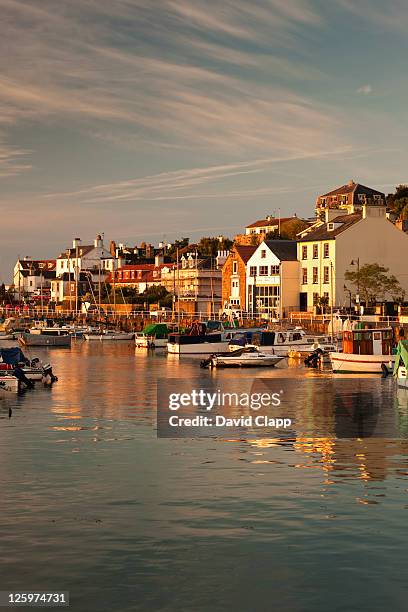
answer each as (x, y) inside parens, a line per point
(365, 90)
(106, 63)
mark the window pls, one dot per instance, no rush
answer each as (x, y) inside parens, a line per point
(304, 252)
(315, 276)
(315, 251)
(263, 254)
(262, 230)
(326, 274)
(326, 295)
(315, 299)
(304, 276)
(263, 270)
(252, 271)
(274, 270)
(234, 267)
(326, 247)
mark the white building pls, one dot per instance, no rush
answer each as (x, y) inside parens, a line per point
(272, 279)
(32, 277)
(327, 249)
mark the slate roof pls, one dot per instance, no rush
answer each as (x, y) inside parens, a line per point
(349, 188)
(270, 221)
(245, 251)
(322, 233)
(285, 250)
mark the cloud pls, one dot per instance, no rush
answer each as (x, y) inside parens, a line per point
(365, 90)
(198, 74)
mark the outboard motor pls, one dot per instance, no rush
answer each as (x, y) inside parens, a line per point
(313, 359)
(19, 374)
(48, 378)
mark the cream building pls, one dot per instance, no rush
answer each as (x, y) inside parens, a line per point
(273, 279)
(327, 249)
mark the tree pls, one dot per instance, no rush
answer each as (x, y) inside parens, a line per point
(289, 230)
(398, 201)
(374, 283)
(208, 247)
(178, 244)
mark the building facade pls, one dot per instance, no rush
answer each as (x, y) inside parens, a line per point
(234, 287)
(272, 280)
(342, 242)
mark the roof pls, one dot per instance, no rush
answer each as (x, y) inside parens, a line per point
(245, 251)
(82, 250)
(34, 264)
(322, 233)
(285, 250)
(270, 221)
(349, 188)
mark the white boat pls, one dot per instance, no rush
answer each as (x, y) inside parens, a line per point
(109, 335)
(248, 357)
(9, 384)
(45, 336)
(201, 339)
(33, 369)
(365, 351)
(401, 364)
(282, 342)
(154, 335)
(8, 336)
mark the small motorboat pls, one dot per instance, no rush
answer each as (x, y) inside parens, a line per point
(13, 362)
(247, 357)
(401, 364)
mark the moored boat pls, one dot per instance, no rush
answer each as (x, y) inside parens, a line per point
(201, 339)
(247, 357)
(365, 351)
(45, 336)
(401, 364)
(154, 335)
(282, 342)
(109, 335)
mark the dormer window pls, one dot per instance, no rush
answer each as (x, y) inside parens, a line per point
(330, 227)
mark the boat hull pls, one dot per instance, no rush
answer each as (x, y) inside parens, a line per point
(150, 342)
(201, 348)
(348, 363)
(246, 362)
(109, 337)
(9, 385)
(44, 340)
(402, 379)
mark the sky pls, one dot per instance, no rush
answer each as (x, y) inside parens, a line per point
(157, 119)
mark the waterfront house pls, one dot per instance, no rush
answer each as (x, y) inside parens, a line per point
(350, 197)
(342, 239)
(234, 286)
(32, 278)
(272, 279)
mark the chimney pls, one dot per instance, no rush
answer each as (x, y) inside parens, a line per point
(76, 243)
(158, 260)
(98, 243)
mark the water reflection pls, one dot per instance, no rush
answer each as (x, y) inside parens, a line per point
(242, 522)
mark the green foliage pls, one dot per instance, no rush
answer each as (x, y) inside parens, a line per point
(375, 284)
(208, 247)
(398, 201)
(289, 230)
(178, 244)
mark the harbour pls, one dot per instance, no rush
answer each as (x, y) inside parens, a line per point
(108, 511)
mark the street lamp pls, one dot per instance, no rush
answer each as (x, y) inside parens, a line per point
(345, 288)
(356, 262)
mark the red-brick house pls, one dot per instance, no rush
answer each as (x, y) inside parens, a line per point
(234, 278)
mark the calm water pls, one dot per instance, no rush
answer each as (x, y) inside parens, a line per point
(92, 502)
